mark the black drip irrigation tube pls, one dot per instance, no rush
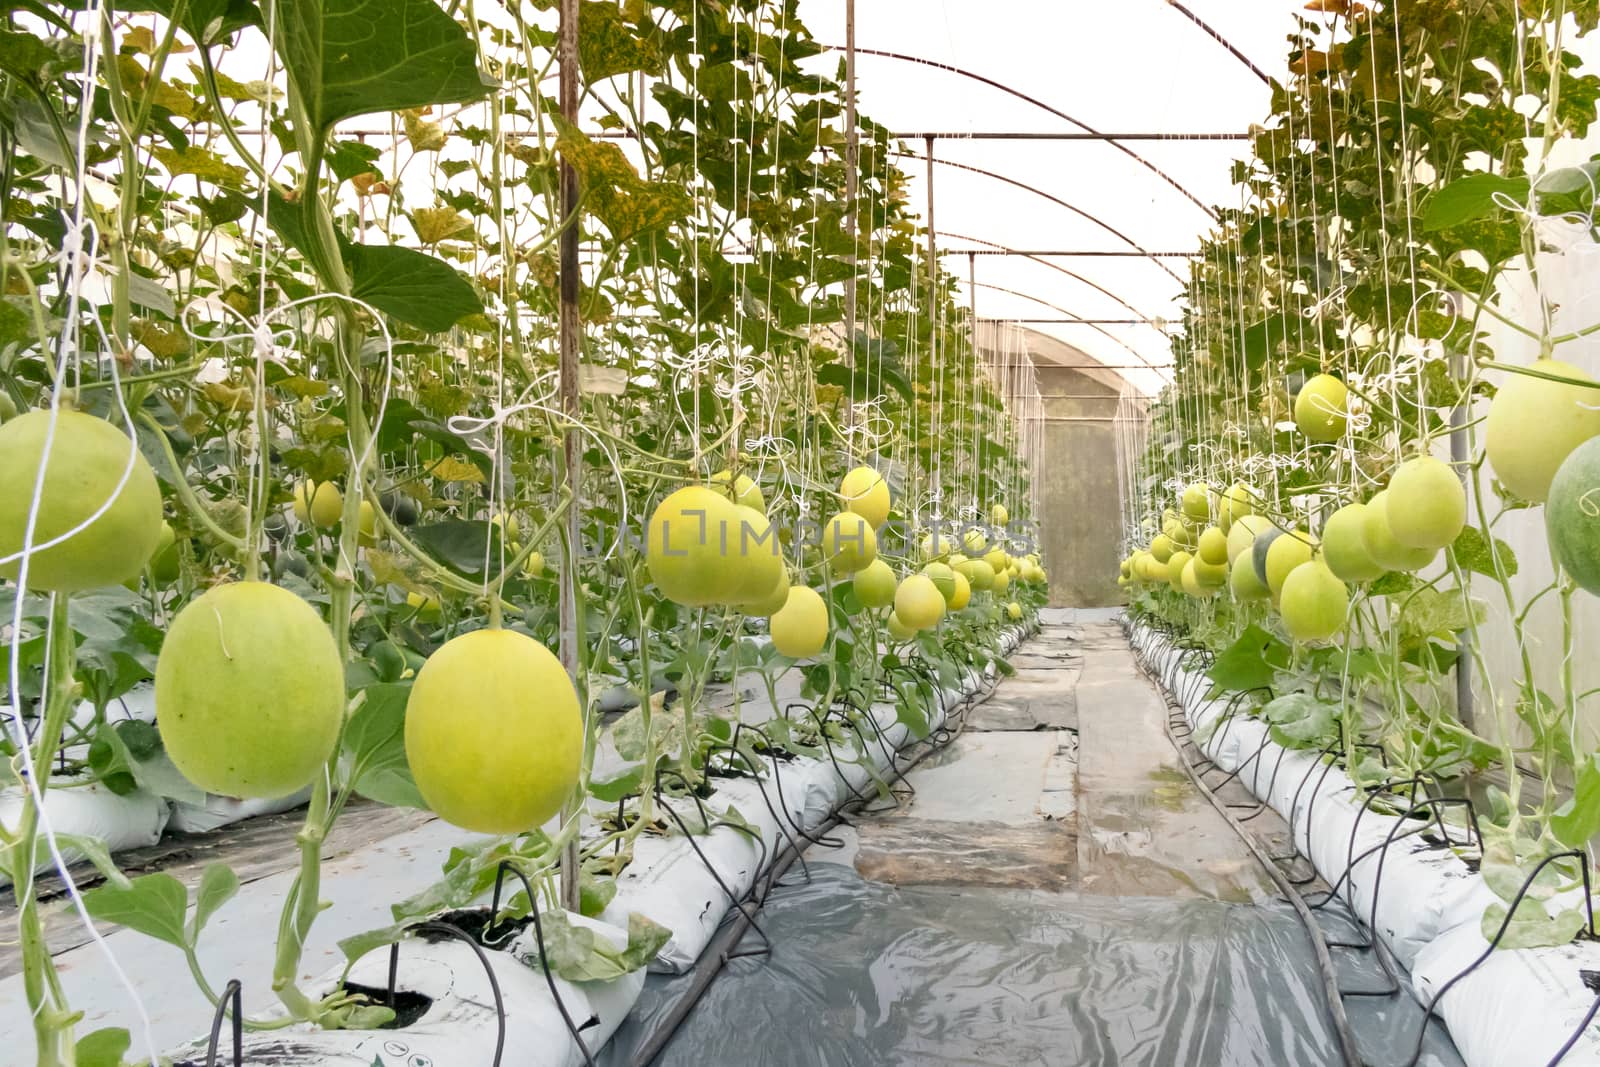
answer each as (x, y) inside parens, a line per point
(1429, 809)
(1319, 944)
(723, 947)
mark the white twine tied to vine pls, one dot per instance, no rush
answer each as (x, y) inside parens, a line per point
(472, 425)
(76, 264)
(263, 337)
(868, 427)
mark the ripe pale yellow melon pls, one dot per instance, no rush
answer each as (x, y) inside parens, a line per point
(494, 733)
(1427, 503)
(1285, 554)
(1313, 602)
(1534, 424)
(1320, 408)
(1242, 535)
(800, 630)
(1379, 540)
(848, 543)
(1344, 546)
(865, 492)
(741, 490)
(918, 603)
(684, 547)
(875, 584)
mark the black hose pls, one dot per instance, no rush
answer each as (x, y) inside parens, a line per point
(1319, 943)
(721, 947)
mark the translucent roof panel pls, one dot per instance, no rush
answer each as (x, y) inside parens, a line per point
(1133, 67)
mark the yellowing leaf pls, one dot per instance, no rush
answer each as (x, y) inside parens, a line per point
(435, 224)
(202, 163)
(456, 469)
(424, 136)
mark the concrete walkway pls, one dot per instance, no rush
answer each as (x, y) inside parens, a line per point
(1064, 780)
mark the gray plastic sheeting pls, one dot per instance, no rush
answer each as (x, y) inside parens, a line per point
(865, 973)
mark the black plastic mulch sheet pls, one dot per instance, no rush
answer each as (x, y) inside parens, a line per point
(866, 973)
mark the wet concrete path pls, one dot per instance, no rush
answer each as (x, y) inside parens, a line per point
(1063, 780)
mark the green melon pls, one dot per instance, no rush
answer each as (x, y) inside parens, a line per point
(1427, 503)
(1572, 515)
(88, 457)
(1380, 543)
(1259, 549)
(1344, 546)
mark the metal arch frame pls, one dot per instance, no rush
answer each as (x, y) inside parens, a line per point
(1035, 258)
(1146, 364)
(1036, 102)
(1217, 37)
(904, 154)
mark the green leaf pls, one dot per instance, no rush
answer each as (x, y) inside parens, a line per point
(1261, 339)
(102, 1048)
(1251, 662)
(1473, 553)
(217, 886)
(462, 545)
(1578, 820)
(579, 954)
(374, 748)
(108, 759)
(1470, 199)
(595, 893)
(358, 945)
(1300, 720)
(1392, 584)
(356, 57)
(154, 905)
(34, 59)
(1532, 926)
(1429, 613)
(614, 789)
(414, 287)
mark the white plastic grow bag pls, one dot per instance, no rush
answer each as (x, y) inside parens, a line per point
(1517, 1007)
(218, 812)
(89, 809)
(460, 1026)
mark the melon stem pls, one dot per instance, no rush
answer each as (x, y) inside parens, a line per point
(52, 1019)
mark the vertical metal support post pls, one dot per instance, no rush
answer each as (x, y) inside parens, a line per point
(1461, 456)
(852, 149)
(572, 455)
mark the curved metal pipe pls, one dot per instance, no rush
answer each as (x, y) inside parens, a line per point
(1147, 365)
(1215, 36)
(1118, 234)
(1036, 102)
(1042, 261)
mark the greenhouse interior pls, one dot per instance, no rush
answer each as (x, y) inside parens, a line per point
(1023, 533)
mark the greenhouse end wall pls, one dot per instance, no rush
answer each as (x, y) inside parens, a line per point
(1079, 487)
